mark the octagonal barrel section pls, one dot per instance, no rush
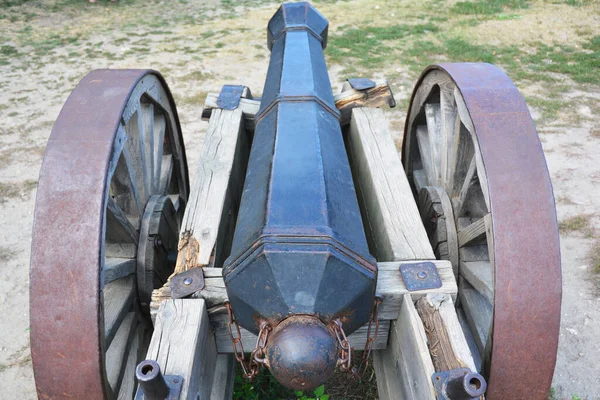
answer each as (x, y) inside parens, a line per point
(299, 245)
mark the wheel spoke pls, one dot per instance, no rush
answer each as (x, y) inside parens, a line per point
(478, 312)
(134, 145)
(118, 301)
(482, 179)
(160, 126)
(479, 275)
(459, 160)
(449, 132)
(425, 151)
(126, 390)
(166, 173)
(473, 231)
(118, 227)
(117, 268)
(116, 355)
(147, 139)
(123, 187)
(434, 130)
(469, 180)
(419, 179)
(463, 112)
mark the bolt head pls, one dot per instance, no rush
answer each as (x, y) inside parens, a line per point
(421, 274)
(188, 281)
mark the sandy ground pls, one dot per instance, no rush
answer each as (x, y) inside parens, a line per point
(31, 95)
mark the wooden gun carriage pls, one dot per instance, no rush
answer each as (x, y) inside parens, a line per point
(444, 264)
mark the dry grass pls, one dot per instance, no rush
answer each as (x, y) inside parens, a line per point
(6, 254)
(9, 190)
(594, 257)
(577, 223)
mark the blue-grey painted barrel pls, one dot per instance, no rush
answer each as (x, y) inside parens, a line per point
(299, 245)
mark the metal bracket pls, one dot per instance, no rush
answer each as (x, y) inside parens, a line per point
(361, 83)
(420, 276)
(230, 95)
(458, 384)
(187, 282)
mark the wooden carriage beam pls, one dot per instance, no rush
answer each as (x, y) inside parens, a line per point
(378, 96)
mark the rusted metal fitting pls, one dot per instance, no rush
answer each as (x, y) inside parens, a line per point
(458, 384)
(155, 386)
(301, 352)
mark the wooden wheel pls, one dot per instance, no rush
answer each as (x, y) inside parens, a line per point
(111, 194)
(475, 162)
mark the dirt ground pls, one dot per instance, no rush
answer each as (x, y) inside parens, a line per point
(47, 47)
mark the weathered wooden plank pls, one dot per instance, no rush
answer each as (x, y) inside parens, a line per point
(249, 108)
(118, 301)
(449, 130)
(436, 142)
(117, 268)
(451, 241)
(479, 275)
(219, 321)
(224, 377)
(126, 391)
(183, 344)
(119, 228)
(378, 96)
(389, 285)
(117, 352)
(478, 312)
(420, 179)
(389, 206)
(446, 340)
(201, 224)
(425, 151)
(404, 369)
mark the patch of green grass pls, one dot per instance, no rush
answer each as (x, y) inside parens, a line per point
(461, 50)
(264, 386)
(581, 65)
(208, 34)
(549, 107)
(8, 51)
(487, 7)
(372, 45)
(219, 45)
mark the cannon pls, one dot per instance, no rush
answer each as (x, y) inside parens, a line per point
(303, 237)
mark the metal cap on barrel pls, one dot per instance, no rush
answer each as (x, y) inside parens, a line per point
(295, 16)
(302, 353)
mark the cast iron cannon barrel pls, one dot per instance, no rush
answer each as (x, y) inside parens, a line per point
(299, 247)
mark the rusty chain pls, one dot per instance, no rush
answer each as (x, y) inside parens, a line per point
(371, 337)
(345, 354)
(257, 356)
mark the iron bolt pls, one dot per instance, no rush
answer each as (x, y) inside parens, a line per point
(421, 274)
(187, 281)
